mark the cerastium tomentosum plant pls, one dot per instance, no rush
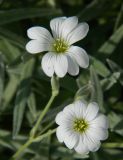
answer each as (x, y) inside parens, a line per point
(81, 126)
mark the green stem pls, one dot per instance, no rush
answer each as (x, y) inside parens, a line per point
(30, 141)
(39, 138)
(32, 138)
(43, 113)
(47, 127)
(35, 128)
(21, 149)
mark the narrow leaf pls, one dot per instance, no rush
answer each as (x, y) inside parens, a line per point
(9, 16)
(2, 73)
(10, 90)
(94, 9)
(12, 37)
(116, 68)
(13, 51)
(9, 51)
(83, 92)
(108, 82)
(116, 121)
(32, 105)
(96, 94)
(108, 47)
(100, 67)
(22, 96)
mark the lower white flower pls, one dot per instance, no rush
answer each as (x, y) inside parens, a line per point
(62, 56)
(81, 127)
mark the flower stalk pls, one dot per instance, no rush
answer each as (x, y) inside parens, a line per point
(21, 149)
(35, 128)
(55, 92)
(33, 137)
(31, 140)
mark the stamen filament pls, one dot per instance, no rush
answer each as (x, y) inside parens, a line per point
(80, 125)
(60, 46)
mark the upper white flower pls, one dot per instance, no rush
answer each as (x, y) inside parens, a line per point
(62, 56)
(81, 127)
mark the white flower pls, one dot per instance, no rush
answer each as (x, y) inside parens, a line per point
(62, 56)
(81, 127)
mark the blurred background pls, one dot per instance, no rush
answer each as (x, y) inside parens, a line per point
(25, 89)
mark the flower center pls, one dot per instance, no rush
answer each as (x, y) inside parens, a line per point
(60, 46)
(80, 125)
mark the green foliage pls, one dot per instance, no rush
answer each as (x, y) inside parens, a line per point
(22, 95)
(2, 74)
(109, 46)
(25, 89)
(96, 91)
(24, 13)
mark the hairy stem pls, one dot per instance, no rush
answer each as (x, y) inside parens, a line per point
(43, 113)
(33, 138)
(37, 139)
(21, 149)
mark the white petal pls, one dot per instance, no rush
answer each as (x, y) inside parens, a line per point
(35, 46)
(79, 55)
(63, 119)
(71, 139)
(61, 65)
(67, 135)
(100, 121)
(78, 33)
(97, 133)
(80, 109)
(39, 33)
(92, 144)
(68, 25)
(48, 64)
(81, 147)
(60, 134)
(92, 111)
(73, 68)
(59, 118)
(76, 110)
(69, 110)
(55, 25)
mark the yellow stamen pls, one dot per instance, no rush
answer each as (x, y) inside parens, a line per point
(80, 125)
(60, 46)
